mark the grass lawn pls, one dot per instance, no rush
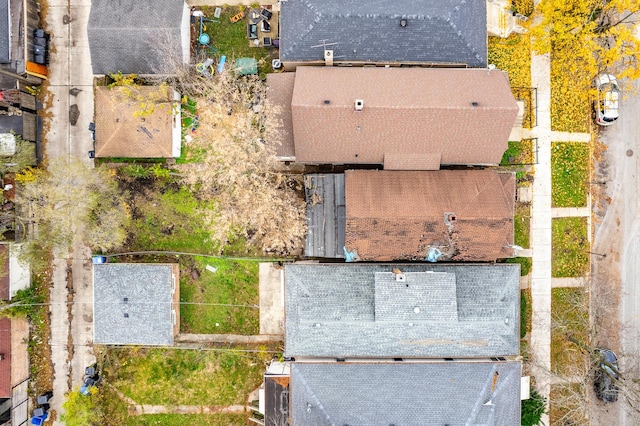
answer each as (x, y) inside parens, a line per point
(234, 283)
(188, 419)
(231, 39)
(522, 224)
(569, 174)
(570, 92)
(189, 377)
(525, 312)
(569, 247)
(165, 217)
(570, 316)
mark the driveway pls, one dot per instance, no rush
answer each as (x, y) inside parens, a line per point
(618, 235)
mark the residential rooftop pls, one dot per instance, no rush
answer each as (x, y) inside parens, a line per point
(448, 32)
(403, 118)
(418, 394)
(135, 303)
(401, 310)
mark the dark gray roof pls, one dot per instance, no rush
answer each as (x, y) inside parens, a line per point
(5, 33)
(326, 215)
(420, 394)
(126, 35)
(143, 292)
(437, 31)
(360, 310)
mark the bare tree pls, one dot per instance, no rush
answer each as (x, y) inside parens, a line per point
(70, 202)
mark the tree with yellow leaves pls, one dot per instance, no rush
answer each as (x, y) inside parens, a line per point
(598, 34)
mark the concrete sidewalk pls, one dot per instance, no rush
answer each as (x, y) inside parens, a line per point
(541, 214)
(570, 212)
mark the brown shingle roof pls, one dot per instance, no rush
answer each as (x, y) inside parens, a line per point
(463, 115)
(5, 362)
(399, 215)
(121, 129)
(280, 92)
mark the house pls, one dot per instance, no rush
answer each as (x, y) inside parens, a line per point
(402, 118)
(391, 215)
(349, 311)
(444, 32)
(135, 303)
(14, 335)
(18, 69)
(18, 21)
(136, 37)
(137, 122)
(434, 392)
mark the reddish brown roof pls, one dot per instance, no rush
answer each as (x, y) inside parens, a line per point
(5, 361)
(123, 130)
(463, 115)
(279, 93)
(399, 215)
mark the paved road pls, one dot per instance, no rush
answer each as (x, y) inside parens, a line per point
(70, 67)
(618, 235)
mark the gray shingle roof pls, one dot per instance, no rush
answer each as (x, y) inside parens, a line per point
(437, 31)
(420, 394)
(125, 35)
(325, 215)
(345, 310)
(142, 292)
(5, 32)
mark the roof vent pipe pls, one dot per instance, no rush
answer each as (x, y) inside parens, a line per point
(359, 104)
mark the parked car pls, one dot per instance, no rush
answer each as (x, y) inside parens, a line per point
(606, 375)
(608, 100)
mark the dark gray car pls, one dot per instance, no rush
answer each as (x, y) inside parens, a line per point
(606, 376)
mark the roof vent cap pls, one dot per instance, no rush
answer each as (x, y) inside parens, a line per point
(359, 104)
(403, 22)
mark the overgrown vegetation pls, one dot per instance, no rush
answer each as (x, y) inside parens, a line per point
(569, 174)
(69, 202)
(532, 409)
(570, 317)
(212, 376)
(569, 247)
(224, 301)
(567, 404)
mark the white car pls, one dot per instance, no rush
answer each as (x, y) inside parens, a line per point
(608, 101)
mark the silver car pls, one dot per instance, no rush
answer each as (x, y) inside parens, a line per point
(608, 101)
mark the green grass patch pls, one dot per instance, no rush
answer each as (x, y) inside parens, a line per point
(570, 257)
(525, 312)
(570, 91)
(168, 218)
(525, 264)
(570, 317)
(234, 283)
(231, 39)
(569, 174)
(522, 225)
(188, 419)
(190, 377)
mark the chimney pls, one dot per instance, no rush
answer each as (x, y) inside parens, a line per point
(328, 57)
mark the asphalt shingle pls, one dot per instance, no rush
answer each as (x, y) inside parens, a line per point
(332, 311)
(408, 394)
